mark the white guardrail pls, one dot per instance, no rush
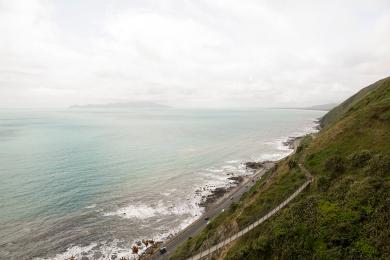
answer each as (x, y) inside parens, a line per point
(253, 225)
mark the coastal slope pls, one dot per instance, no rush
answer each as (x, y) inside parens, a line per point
(345, 212)
(339, 111)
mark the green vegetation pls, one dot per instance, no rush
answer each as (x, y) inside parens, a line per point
(267, 193)
(345, 213)
(292, 164)
(360, 159)
(338, 112)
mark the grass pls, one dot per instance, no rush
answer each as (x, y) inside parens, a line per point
(344, 215)
(275, 186)
(338, 112)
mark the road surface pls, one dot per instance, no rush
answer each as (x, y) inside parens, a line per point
(259, 221)
(197, 226)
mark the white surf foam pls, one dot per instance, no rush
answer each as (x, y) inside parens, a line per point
(136, 211)
(214, 170)
(232, 161)
(284, 150)
(91, 206)
(190, 209)
(214, 177)
(162, 208)
(76, 251)
(104, 250)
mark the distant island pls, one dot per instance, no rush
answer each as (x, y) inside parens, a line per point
(122, 105)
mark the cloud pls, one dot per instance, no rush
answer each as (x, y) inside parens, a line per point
(190, 53)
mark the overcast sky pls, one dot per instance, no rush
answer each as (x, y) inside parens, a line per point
(190, 53)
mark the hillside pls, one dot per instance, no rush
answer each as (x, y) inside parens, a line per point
(337, 112)
(345, 213)
(323, 107)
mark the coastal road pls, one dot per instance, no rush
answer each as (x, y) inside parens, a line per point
(259, 221)
(213, 210)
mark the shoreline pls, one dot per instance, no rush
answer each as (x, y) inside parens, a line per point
(258, 167)
(223, 195)
(232, 195)
(163, 213)
(213, 207)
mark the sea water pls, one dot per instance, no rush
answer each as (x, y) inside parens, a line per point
(91, 183)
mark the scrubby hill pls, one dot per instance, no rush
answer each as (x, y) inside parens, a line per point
(337, 112)
(345, 214)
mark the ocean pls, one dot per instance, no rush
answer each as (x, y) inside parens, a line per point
(91, 183)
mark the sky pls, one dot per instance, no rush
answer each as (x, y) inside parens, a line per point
(185, 53)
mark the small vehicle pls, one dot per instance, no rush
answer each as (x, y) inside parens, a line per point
(207, 218)
(163, 250)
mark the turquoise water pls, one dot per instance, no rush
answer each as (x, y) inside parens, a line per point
(96, 181)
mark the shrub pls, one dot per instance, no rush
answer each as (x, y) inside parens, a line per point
(233, 207)
(292, 164)
(323, 183)
(300, 148)
(379, 165)
(260, 244)
(335, 164)
(360, 159)
(241, 253)
(310, 156)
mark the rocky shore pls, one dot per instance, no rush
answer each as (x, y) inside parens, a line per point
(220, 192)
(254, 165)
(290, 142)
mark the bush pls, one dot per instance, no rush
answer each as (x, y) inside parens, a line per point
(242, 253)
(310, 156)
(335, 164)
(360, 159)
(292, 164)
(233, 207)
(260, 244)
(323, 183)
(379, 165)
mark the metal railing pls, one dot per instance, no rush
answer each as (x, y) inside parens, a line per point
(256, 223)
